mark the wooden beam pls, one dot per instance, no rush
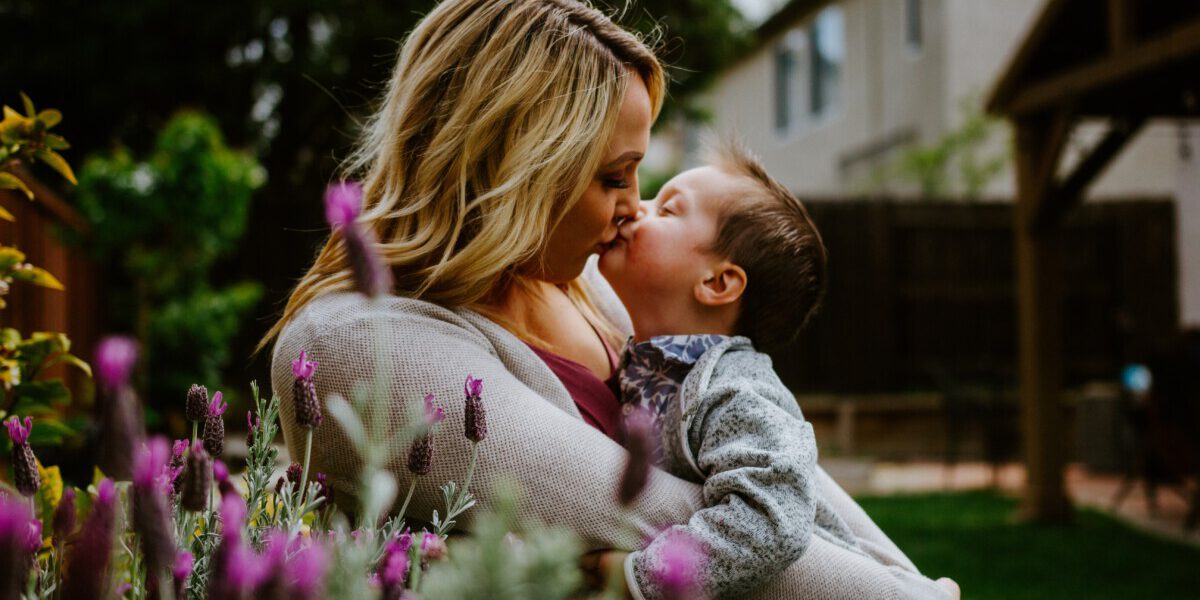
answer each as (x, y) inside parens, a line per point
(1069, 193)
(1006, 86)
(1120, 25)
(1180, 43)
(1039, 332)
(1048, 155)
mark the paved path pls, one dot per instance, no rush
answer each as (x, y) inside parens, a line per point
(1087, 489)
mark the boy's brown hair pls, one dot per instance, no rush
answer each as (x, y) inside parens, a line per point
(768, 233)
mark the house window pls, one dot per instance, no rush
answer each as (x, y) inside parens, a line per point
(788, 78)
(912, 24)
(827, 51)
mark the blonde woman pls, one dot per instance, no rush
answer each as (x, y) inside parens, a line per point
(503, 156)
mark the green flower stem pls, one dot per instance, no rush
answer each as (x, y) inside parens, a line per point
(195, 432)
(304, 473)
(412, 486)
(470, 469)
(414, 573)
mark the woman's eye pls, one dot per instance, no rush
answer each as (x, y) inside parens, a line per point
(618, 184)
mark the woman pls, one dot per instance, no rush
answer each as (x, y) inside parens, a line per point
(504, 155)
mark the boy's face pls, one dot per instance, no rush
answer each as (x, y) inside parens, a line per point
(662, 254)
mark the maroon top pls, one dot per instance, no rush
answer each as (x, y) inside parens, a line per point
(597, 400)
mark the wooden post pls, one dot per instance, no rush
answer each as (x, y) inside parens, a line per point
(1039, 324)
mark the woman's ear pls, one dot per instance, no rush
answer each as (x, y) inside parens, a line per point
(724, 285)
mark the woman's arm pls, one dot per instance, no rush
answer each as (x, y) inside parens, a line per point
(568, 472)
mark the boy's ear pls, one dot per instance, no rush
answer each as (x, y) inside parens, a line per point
(724, 285)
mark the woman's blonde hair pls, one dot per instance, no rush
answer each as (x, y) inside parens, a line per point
(495, 119)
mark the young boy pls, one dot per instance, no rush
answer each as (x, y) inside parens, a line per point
(725, 260)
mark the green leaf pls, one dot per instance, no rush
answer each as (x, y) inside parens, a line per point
(49, 432)
(56, 142)
(9, 339)
(56, 162)
(33, 396)
(49, 117)
(9, 181)
(37, 276)
(29, 110)
(72, 360)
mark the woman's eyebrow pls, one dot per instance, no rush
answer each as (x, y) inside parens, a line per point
(631, 155)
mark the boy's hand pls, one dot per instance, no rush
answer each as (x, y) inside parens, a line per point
(605, 570)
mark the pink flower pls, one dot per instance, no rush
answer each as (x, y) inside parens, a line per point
(115, 357)
(302, 368)
(34, 540)
(432, 415)
(473, 387)
(306, 570)
(433, 547)
(150, 461)
(343, 201)
(18, 434)
(681, 561)
(217, 407)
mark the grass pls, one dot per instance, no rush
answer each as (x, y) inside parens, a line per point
(972, 538)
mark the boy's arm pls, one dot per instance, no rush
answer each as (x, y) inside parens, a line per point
(758, 494)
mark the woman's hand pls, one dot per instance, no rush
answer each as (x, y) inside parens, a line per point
(951, 587)
(605, 570)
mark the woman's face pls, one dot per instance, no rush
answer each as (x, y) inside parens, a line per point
(612, 194)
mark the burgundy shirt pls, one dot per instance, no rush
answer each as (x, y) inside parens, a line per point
(596, 399)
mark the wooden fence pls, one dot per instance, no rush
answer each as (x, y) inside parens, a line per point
(923, 291)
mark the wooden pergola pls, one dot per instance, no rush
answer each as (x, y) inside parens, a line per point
(1122, 61)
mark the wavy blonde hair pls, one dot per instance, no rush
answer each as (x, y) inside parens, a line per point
(495, 119)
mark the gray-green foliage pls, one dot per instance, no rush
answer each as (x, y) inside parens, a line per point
(954, 164)
(160, 224)
(503, 560)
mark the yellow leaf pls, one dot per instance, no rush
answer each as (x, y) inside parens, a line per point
(7, 216)
(50, 117)
(8, 181)
(28, 105)
(52, 484)
(56, 162)
(37, 276)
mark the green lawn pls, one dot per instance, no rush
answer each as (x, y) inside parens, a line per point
(973, 539)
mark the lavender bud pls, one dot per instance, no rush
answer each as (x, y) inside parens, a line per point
(197, 403)
(197, 479)
(420, 455)
(16, 555)
(25, 473)
(639, 431)
(115, 357)
(253, 423)
(343, 201)
(214, 427)
(475, 424)
(151, 515)
(304, 392)
(63, 524)
(89, 558)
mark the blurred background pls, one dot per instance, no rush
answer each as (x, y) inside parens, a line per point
(1009, 191)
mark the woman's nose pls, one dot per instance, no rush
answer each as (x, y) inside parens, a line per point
(627, 206)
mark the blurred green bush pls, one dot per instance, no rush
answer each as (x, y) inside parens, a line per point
(160, 225)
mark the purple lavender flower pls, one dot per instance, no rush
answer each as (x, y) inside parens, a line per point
(63, 524)
(420, 455)
(305, 572)
(33, 536)
(25, 473)
(178, 452)
(433, 547)
(393, 569)
(184, 563)
(221, 475)
(89, 558)
(115, 357)
(234, 565)
(253, 423)
(342, 205)
(325, 491)
(16, 554)
(304, 392)
(197, 479)
(343, 201)
(197, 403)
(433, 415)
(151, 515)
(639, 433)
(681, 561)
(214, 426)
(475, 423)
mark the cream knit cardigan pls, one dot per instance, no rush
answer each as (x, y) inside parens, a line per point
(568, 471)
